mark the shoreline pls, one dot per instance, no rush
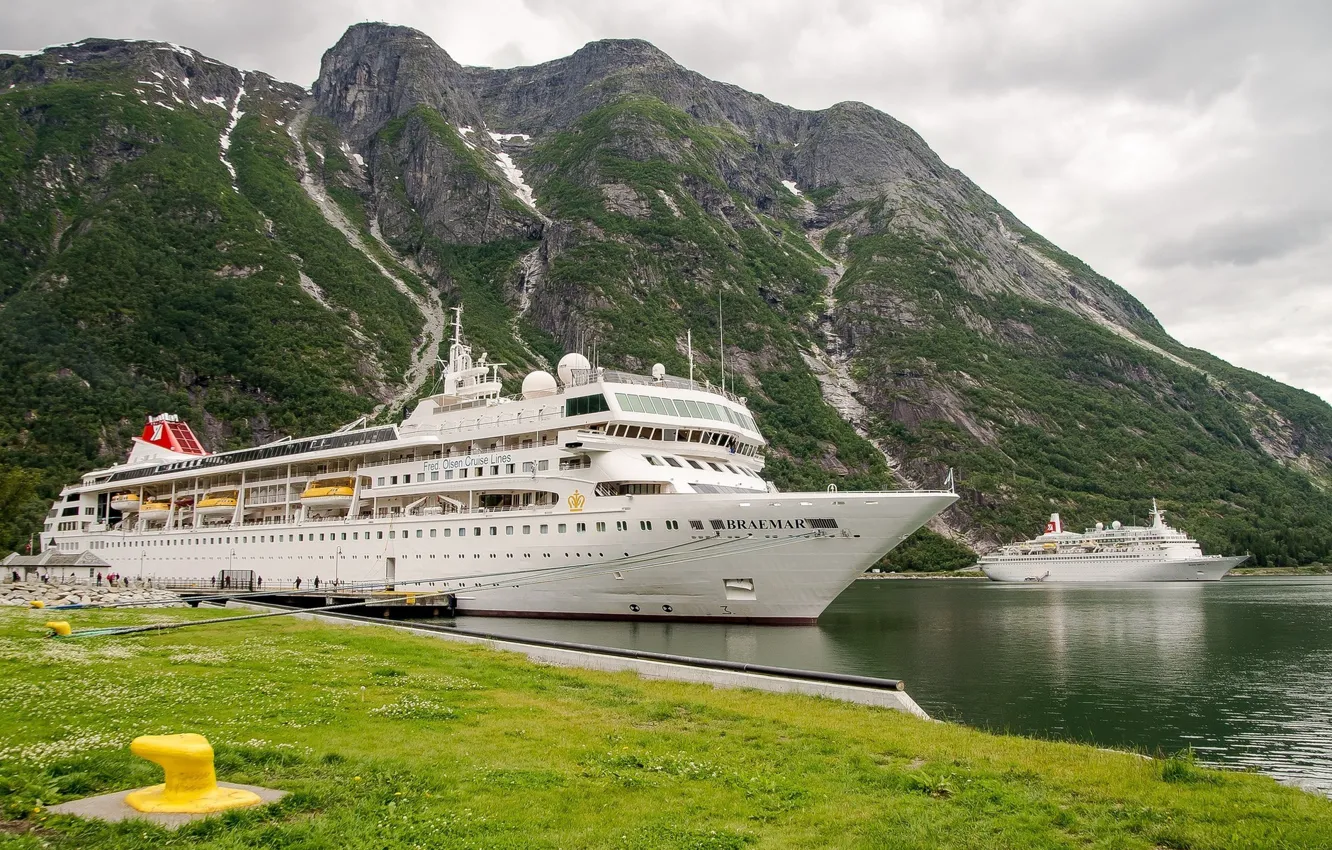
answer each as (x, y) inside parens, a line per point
(949, 575)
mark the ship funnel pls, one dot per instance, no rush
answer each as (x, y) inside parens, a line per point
(1054, 526)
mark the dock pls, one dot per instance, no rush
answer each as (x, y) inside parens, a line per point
(863, 690)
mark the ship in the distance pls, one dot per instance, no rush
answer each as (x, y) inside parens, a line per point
(600, 494)
(1118, 553)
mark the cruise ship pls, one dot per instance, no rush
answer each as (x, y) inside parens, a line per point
(592, 494)
(1118, 553)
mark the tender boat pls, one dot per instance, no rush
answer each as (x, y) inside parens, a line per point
(126, 503)
(222, 502)
(329, 493)
(153, 511)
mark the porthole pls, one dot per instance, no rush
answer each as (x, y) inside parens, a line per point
(633, 608)
(667, 608)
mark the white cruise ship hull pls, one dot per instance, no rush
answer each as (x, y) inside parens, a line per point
(766, 557)
(1093, 569)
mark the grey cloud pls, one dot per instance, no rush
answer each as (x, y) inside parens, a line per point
(1243, 240)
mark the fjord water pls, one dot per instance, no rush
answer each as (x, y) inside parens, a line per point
(1239, 670)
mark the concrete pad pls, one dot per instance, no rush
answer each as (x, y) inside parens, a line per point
(113, 808)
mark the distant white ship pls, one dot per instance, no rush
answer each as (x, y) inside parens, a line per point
(1155, 553)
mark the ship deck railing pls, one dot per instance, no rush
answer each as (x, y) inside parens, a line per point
(585, 377)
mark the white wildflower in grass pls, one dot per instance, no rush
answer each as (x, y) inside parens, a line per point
(198, 655)
(74, 742)
(414, 707)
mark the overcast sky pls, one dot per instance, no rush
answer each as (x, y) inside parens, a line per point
(1181, 147)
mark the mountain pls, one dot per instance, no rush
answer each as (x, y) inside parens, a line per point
(176, 234)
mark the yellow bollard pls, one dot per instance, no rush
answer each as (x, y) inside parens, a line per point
(60, 627)
(36, 603)
(191, 785)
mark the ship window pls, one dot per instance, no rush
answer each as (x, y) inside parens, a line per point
(476, 531)
(434, 475)
(545, 529)
(448, 532)
(714, 466)
(478, 471)
(584, 405)
(494, 470)
(693, 463)
(391, 533)
(645, 525)
(670, 461)
(528, 466)
(601, 526)
(543, 465)
(302, 537)
(508, 469)
(580, 527)
(462, 532)
(561, 528)
(631, 402)
(527, 529)
(652, 460)
(393, 479)
(418, 532)
(379, 535)
(448, 475)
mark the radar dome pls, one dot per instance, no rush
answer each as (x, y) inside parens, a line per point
(1116, 525)
(658, 371)
(570, 363)
(538, 383)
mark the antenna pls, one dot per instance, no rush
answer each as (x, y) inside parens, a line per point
(721, 340)
(689, 339)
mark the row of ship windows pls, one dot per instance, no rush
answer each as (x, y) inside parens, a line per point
(670, 461)
(476, 472)
(683, 435)
(683, 408)
(477, 531)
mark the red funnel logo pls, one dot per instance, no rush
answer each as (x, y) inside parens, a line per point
(167, 431)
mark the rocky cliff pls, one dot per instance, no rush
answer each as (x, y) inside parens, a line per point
(888, 319)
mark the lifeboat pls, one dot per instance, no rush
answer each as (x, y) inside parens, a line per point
(220, 502)
(328, 493)
(151, 511)
(126, 503)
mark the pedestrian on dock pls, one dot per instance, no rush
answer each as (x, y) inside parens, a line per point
(99, 578)
(298, 582)
(261, 582)
(316, 582)
(14, 573)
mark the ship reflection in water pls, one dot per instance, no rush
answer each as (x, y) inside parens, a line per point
(1238, 670)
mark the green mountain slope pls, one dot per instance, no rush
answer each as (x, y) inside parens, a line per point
(887, 319)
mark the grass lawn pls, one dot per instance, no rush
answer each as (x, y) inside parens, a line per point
(388, 740)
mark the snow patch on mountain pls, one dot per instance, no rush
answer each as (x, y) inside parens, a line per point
(225, 141)
(512, 172)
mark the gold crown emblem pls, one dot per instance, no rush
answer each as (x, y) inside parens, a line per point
(576, 502)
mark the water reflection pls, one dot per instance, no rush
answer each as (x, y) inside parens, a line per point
(1240, 670)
